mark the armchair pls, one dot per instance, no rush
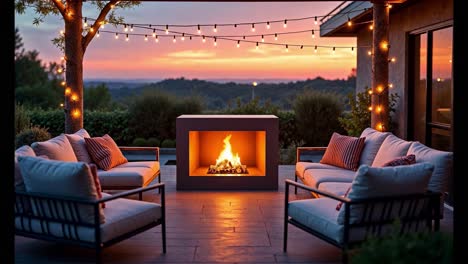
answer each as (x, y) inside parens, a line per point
(60, 219)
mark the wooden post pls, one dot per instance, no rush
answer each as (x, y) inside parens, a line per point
(380, 48)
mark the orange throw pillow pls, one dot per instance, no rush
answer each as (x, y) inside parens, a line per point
(105, 152)
(344, 151)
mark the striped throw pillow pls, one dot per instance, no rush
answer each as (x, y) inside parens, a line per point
(405, 160)
(344, 151)
(105, 152)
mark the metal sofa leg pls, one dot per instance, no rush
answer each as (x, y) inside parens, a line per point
(98, 255)
(295, 187)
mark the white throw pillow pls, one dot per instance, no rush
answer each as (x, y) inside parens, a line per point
(83, 133)
(79, 147)
(59, 178)
(386, 181)
(57, 148)
(391, 148)
(374, 140)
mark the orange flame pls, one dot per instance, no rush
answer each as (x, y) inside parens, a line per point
(226, 154)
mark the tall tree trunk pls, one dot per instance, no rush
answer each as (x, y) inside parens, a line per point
(74, 53)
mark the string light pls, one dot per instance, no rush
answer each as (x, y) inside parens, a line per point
(390, 85)
(68, 91)
(393, 59)
(285, 25)
(215, 43)
(85, 24)
(102, 25)
(215, 29)
(238, 43)
(91, 30)
(268, 25)
(287, 49)
(63, 83)
(183, 37)
(146, 37)
(199, 30)
(302, 46)
(253, 27)
(156, 39)
(154, 33)
(352, 49)
(62, 32)
(315, 21)
(131, 28)
(315, 49)
(313, 33)
(116, 35)
(276, 36)
(333, 51)
(349, 22)
(371, 27)
(74, 97)
(125, 28)
(126, 38)
(167, 29)
(59, 70)
(61, 105)
(76, 113)
(256, 47)
(263, 39)
(370, 108)
(174, 39)
(204, 40)
(369, 53)
(97, 34)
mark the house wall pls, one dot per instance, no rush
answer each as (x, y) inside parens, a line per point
(414, 16)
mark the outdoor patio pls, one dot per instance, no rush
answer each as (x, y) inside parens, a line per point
(207, 227)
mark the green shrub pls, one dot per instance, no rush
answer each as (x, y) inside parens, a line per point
(253, 107)
(317, 116)
(53, 120)
(31, 135)
(288, 134)
(153, 142)
(359, 118)
(114, 123)
(422, 247)
(22, 119)
(139, 142)
(168, 143)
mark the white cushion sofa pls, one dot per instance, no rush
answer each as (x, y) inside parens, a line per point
(379, 148)
(71, 147)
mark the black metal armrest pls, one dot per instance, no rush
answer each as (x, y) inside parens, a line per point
(155, 149)
(314, 190)
(133, 191)
(299, 150)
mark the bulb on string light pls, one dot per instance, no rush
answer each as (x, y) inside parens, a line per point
(204, 40)
(85, 24)
(333, 51)
(156, 39)
(379, 127)
(390, 85)
(131, 27)
(287, 49)
(183, 37)
(74, 97)
(126, 38)
(215, 29)
(62, 32)
(63, 83)
(91, 29)
(315, 21)
(68, 91)
(313, 33)
(315, 49)
(235, 25)
(393, 59)
(352, 50)
(371, 27)
(253, 27)
(61, 105)
(238, 43)
(370, 92)
(256, 47)
(125, 28)
(215, 43)
(302, 46)
(285, 25)
(174, 39)
(102, 24)
(116, 35)
(379, 109)
(370, 108)
(59, 70)
(276, 36)
(199, 30)
(97, 34)
(167, 29)
(380, 88)
(190, 37)
(154, 33)
(263, 39)
(369, 53)
(349, 22)
(268, 25)
(146, 37)
(62, 58)
(76, 113)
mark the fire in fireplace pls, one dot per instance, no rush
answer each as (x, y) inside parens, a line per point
(227, 162)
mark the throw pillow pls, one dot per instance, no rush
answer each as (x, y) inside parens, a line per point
(386, 181)
(94, 173)
(391, 148)
(374, 140)
(79, 147)
(82, 133)
(343, 151)
(338, 206)
(59, 178)
(57, 148)
(405, 160)
(21, 151)
(105, 152)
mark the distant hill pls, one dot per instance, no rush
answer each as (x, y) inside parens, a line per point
(218, 95)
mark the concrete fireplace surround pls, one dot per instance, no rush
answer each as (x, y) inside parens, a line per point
(199, 138)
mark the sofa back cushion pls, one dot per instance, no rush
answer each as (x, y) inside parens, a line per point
(59, 178)
(57, 148)
(79, 145)
(343, 151)
(386, 181)
(105, 152)
(374, 140)
(21, 151)
(392, 147)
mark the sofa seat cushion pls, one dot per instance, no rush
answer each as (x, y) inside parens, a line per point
(153, 165)
(320, 215)
(391, 148)
(314, 177)
(122, 216)
(338, 188)
(125, 177)
(374, 140)
(302, 166)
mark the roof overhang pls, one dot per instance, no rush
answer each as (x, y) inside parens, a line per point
(358, 12)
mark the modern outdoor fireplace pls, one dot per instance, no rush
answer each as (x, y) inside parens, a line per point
(227, 152)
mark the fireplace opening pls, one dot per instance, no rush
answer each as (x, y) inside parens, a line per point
(227, 153)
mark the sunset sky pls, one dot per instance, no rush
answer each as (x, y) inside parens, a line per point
(107, 57)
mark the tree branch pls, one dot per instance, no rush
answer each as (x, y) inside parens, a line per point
(61, 8)
(97, 23)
